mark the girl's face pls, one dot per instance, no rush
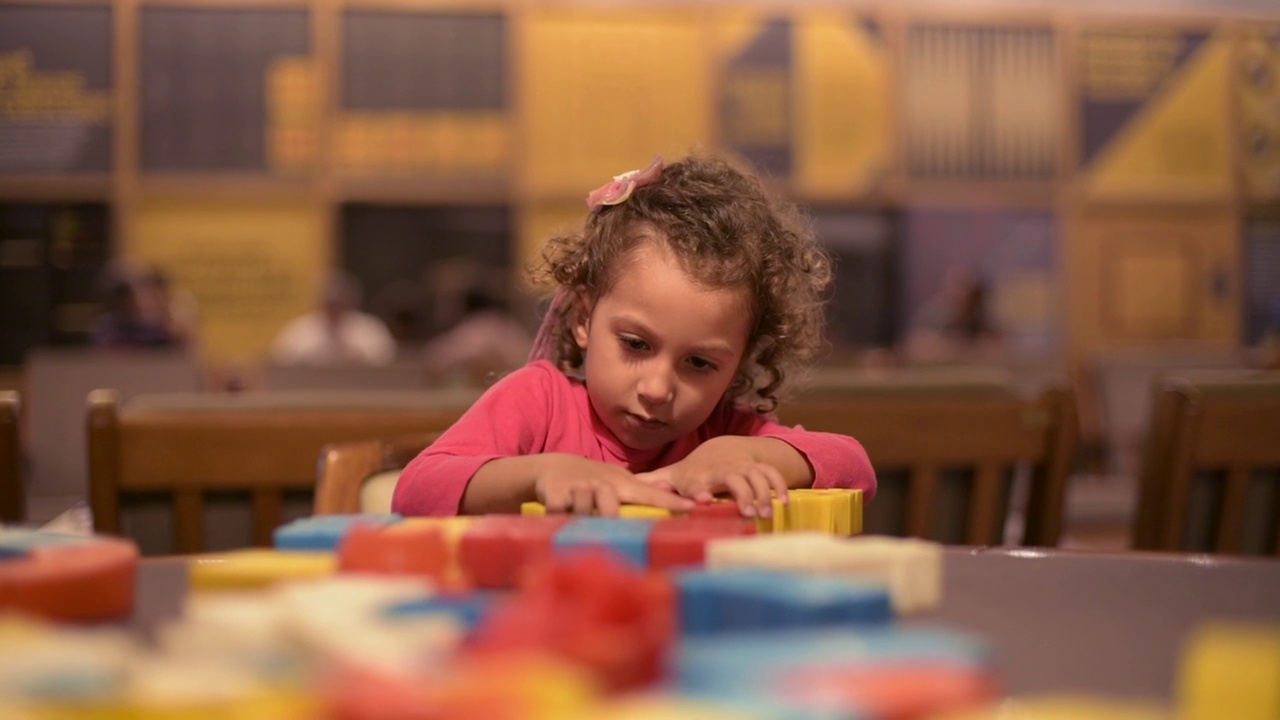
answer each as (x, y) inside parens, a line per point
(661, 349)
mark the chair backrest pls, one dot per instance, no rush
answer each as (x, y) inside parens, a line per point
(262, 444)
(345, 467)
(56, 383)
(12, 497)
(403, 374)
(932, 429)
(1210, 476)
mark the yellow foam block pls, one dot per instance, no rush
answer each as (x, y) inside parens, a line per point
(241, 569)
(624, 511)
(1062, 708)
(1231, 671)
(453, 529)
(659, 707)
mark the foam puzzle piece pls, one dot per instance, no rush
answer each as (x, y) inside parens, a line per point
(642, 512)
(1231, 671)
(1062, 707)
(468, 608)
(909, 690)
(324, 532)
(627, 538)
(910, 568)
(677, 542)
(256, 568)
(420, 550)
(496, 550)
(67, 577)
(743, 663)
(756, 600)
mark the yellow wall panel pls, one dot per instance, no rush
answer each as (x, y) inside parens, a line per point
(251, 266)
(1180, 142)
(603, 91)
(541, 220)
(844, 137)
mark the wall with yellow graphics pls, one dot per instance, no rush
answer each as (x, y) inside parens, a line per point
(239, 165)
(251, 266)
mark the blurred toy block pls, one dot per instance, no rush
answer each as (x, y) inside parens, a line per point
(643, 512)
(495, 549)
(67, 577)
(629, 538)
(757, 600)
(682, 541)
(241, 569)
(420, 549)
(324, 532)
(911, 569)
(1231, 671)
(1064, 707)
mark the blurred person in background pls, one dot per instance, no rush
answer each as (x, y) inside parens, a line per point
(954, 325)
(336, 333)
(159, 305)
(483, 339)
(122, 323)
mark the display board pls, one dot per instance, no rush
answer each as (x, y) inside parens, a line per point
(843, 129)
(754, 112)
(251, 266)
(1257, 81)
(981, 102)
(55, 89)
(1262, 279)
(1154, 104)
(226, 89)
(602, 91)
(865, 247)
(424, 92)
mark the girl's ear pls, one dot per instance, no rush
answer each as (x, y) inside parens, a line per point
(580, 318)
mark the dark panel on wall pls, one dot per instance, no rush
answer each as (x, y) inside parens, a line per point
(864, 246)
(423, 61)
(755, 98)
(51, 261)
(1262, 279)
(204, 84)
(55, 89)
(396, 251)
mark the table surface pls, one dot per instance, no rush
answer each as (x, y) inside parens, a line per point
(1058, 621)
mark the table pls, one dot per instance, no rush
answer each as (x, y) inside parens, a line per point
(1058, 621)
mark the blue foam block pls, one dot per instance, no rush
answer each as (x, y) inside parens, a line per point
(735, 663)
(626, 537)
(752, 599)
(324, 532)
(469, 609)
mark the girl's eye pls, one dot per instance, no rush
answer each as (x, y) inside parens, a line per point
(702, 364)
(634, 344)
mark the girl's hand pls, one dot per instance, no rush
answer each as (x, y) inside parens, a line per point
(568, 483)
(722, 465)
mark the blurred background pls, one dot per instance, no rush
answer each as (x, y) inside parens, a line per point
(1058, 188)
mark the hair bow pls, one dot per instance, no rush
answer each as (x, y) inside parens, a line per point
(620, 188)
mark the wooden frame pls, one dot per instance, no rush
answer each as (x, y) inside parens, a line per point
(345, 466)
(12, 495)
(927, 431)
(263, 449)
(1206, 426)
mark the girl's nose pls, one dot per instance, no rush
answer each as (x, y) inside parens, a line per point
(657, 386)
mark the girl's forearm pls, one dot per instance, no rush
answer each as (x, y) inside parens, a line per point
(501, 485)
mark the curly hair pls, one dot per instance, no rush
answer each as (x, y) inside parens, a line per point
(727, 232)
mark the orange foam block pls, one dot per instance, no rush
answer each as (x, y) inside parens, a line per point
(67, 577)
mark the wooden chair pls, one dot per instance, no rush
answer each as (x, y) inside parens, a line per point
(263, 444)
(12, 497)
(934, 428)
(1203, 484)
(347, 467)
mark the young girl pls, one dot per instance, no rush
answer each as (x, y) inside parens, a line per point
(683, 306)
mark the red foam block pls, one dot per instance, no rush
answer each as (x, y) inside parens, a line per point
(683, 541)
(74, 581)
(495, 550)
(395, 550)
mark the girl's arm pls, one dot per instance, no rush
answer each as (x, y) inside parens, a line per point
(563, 482)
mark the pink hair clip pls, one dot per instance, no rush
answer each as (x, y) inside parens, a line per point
(621, 187)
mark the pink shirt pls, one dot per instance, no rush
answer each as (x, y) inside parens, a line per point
(539, 409)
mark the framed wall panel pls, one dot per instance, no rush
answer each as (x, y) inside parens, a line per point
(424, 92)
(1257, 83)
(755, 118)
(1262, 278)
(226, 89)
(1154, 104)
(55, 89)
(981, 102)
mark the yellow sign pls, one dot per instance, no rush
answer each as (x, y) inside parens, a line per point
(251, 266)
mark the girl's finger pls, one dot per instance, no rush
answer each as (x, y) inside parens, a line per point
(641, 494)
(762, 489)
(776, 482)
(583, 500)
(742, 493)
(607, 501)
